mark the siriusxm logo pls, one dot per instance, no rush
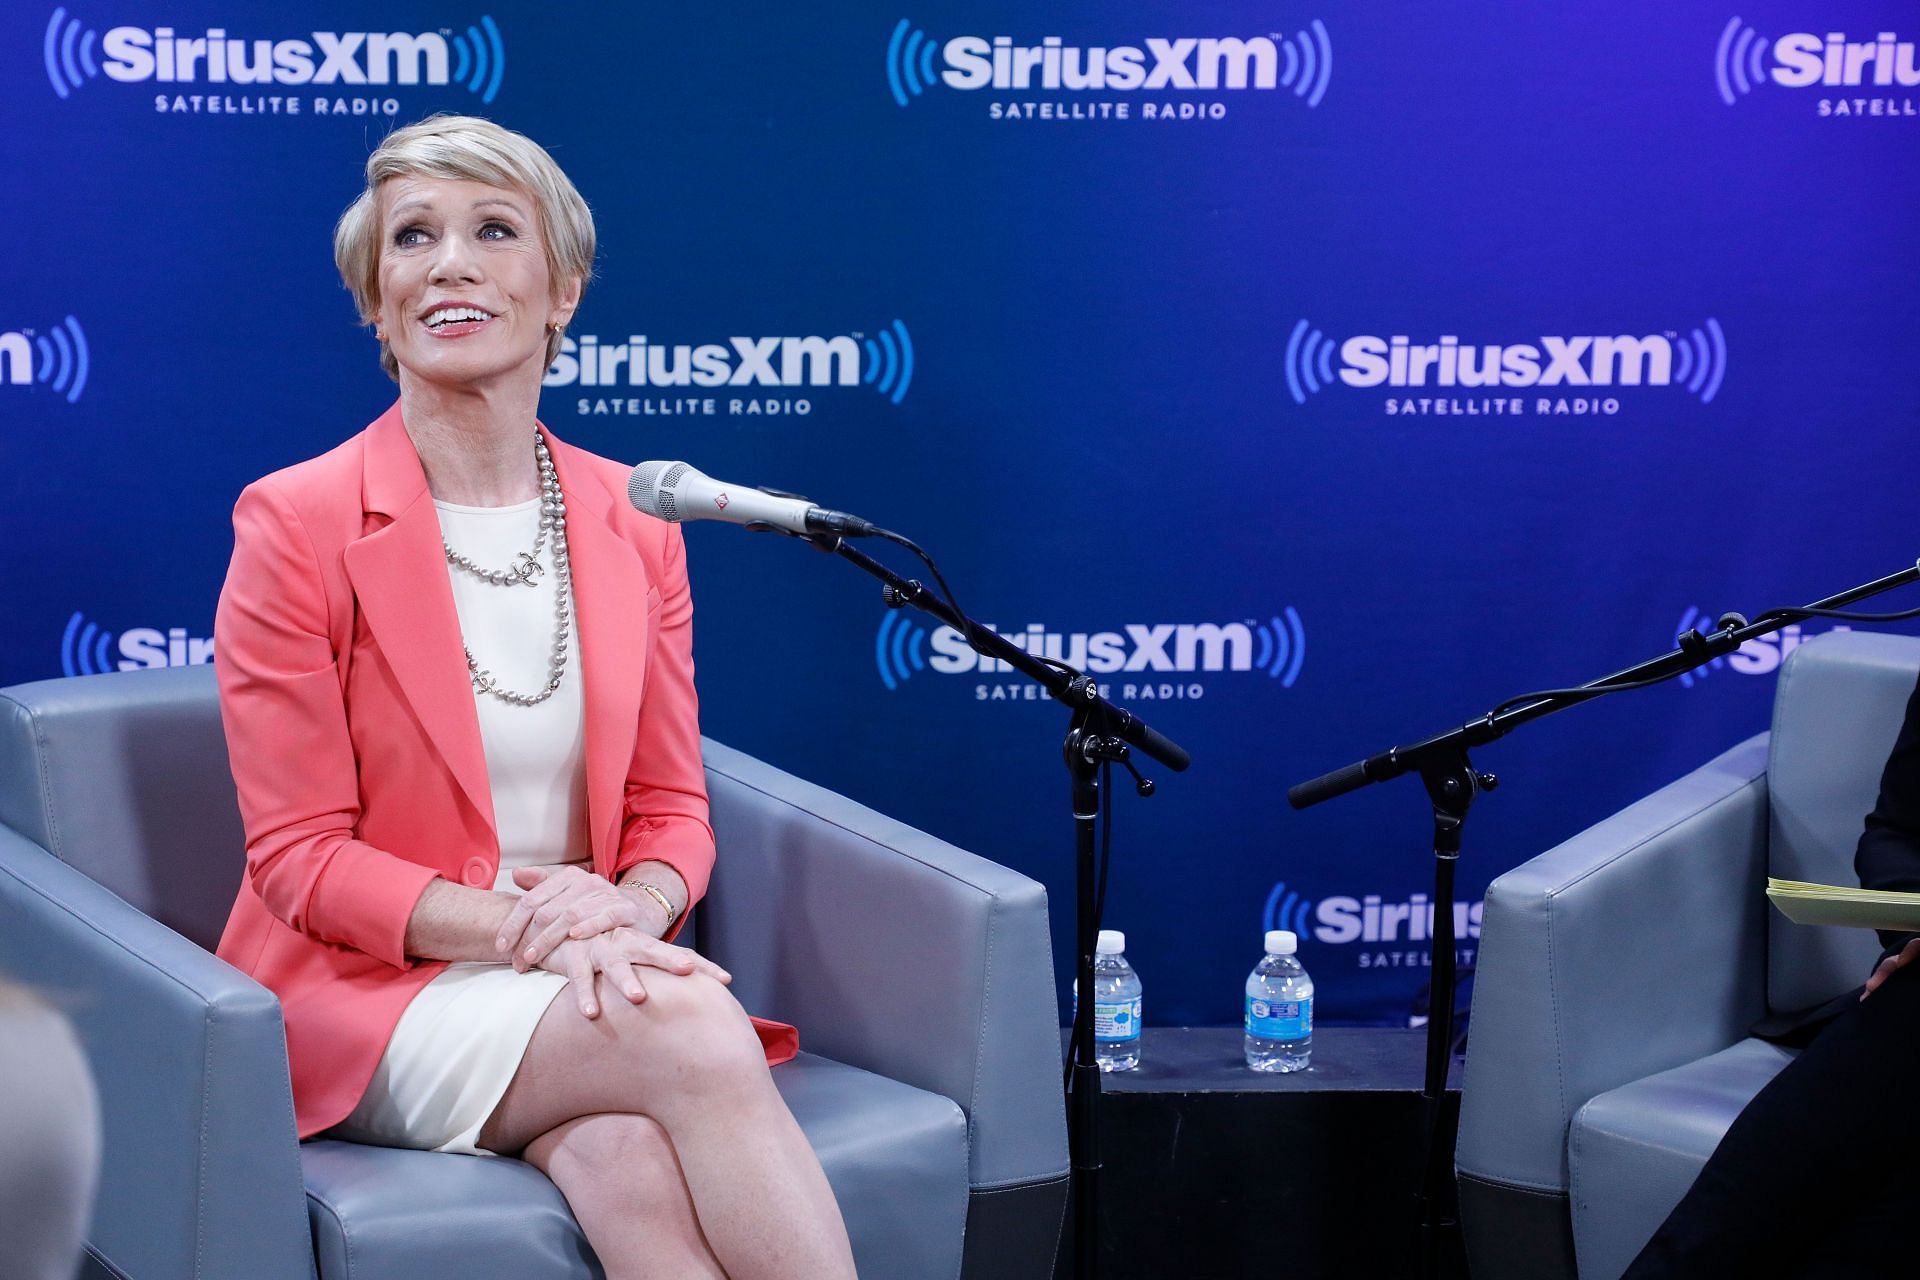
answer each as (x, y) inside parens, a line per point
(1341, 919)
(1302, 62)
(474, 58)
(1741, 63)
(1277, 646)
(883, 362)
(1695, 361)
(1760, 656)
(87, 649)
(58, 359)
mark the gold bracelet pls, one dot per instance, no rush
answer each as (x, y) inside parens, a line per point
(653, 891)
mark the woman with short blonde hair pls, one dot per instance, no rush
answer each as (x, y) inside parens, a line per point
(456, 678)
(477, 151)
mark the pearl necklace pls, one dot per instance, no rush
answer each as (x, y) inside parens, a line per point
(525, 568)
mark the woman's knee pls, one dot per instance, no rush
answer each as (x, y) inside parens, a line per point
(688, 1042)
(694, 1024)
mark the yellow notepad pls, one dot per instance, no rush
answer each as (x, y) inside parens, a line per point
(1853, 908)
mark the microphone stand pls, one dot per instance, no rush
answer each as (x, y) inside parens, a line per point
(1098, 735)
(1452, 785)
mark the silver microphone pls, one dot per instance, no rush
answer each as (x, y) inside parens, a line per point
(676, 491)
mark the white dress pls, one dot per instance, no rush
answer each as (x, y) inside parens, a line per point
(461, 1039)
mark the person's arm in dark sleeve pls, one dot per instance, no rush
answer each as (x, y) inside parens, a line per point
(1888, 856)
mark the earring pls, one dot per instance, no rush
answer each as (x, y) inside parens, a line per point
(379, 335)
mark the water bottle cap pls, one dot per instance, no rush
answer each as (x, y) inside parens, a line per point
(1282, 942)
(1111, 943)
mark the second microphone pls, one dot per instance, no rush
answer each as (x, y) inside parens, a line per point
(676, 491)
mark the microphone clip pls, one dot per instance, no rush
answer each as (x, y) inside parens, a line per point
(902, 596)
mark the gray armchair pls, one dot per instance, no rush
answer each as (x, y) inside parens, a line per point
(934, 1106)
(1619, 974)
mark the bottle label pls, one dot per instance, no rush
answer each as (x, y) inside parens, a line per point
(1116, 1022)
(1280, 1019)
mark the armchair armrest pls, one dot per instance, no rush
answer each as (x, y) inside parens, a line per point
(200, 1174)
(892, 951)
(1637, 945)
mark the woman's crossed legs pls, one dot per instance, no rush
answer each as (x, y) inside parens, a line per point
(660, 1124)
(623, 1180)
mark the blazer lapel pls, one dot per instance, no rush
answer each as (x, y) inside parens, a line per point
(399, 574)
(610, 583)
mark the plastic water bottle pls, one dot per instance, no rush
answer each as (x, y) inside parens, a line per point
(1116, 1004)
(1279, 1008)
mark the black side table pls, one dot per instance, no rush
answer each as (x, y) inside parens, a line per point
(1215, 1172)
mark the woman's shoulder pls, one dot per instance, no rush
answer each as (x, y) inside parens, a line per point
(337, 468)
(320, 491)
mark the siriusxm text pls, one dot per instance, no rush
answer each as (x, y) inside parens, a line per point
(1803, 59)
(1591, 361)
(739, 362)
(1762, 655)
(980, 62)
(1138, 646)
(16, 359)
(144, 647)
(135, 54)
(1340, 919)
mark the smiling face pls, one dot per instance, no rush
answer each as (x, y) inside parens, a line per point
(466, 294)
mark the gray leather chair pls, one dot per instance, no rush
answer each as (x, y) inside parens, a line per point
(934, 1105)
(1619, 974)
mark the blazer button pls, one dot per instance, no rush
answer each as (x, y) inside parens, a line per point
(475, 873)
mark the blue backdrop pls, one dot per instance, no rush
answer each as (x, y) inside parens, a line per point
(1324, 374)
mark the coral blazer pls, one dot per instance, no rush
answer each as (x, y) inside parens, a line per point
(355, 745)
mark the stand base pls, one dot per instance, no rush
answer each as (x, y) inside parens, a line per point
(1214, 1170)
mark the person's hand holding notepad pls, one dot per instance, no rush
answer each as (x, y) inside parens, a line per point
(1850, 907)
(1836, 904)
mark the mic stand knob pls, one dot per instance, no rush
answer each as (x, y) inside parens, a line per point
(1143, 787)
(1094, 748)
(1081, 691)
(899, 598)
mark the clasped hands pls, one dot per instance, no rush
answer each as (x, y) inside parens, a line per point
(578, 925)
